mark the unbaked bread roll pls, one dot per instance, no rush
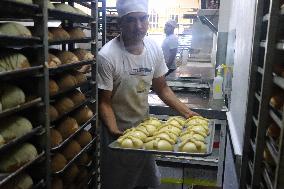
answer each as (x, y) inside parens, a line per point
(14, 29)
(58, 162)
(76, 33)
(59, 33)
(77, 97)
(67, 127)
(14, 61)
(64, 105)
(71, 150)
(14, 127)
(84, 138)
(71, 173)
(17, 157)
(83, 115)
(53, 61)
(53, 113)
(66, 57)
(80, 77)
(66, 81)
(64, 7)
(22, 181)
(83, 54)
(55, 138)
(23, 1)
(53, 87)
(11, 96)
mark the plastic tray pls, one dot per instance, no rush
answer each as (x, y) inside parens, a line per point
(209, 143)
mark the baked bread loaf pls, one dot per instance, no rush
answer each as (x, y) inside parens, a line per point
(84, 159)
(82, 176)
(67, 127)
(56, 183)
(64, 7)
(14, 29)
(79, 11)
(58, 162)
(274, 130)
(59, 33)
(50, 36)
(71, 150)
(17, 157)
(53, 87)
(277, 101)
(83, 115)
(14, 127)
(66, 81)
(55, 138)
(84, 138)
(66, 57)
(76, 33)
(71, 173)
(64, 105)
(14, 61)
(11, 96)
(77, 97)
(53, 113)
(83, 54)
(53, 61)
(2, 141)
(22, 181)
(80, 77)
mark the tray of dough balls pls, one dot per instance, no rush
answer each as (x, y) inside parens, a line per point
(175, 136)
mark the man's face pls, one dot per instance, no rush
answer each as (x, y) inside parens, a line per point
(168, 29)
(134, 25)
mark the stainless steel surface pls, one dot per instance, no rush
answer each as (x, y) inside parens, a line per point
(208, 141)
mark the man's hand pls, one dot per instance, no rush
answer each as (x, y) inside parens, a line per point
(190, 114)
(116, 133)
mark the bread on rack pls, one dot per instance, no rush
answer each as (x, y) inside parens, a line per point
(64, 7)
(53, 113)
(66, 81)
(76, 33)
(83, 176)
(22, 181)
(53, 61)
(79, 11)
(17, 157)
(55, 138)
(66, 57)
(67, 127)
(71, 173)
(84, 159)
(53, 87)
(13, 61)
(56, 183)
(14, 127)
(71, 150)
(83, 54)
(49, 4)
(58, 162)
(84, 138)
(277, 101)
(59, 33)
(64, 105)
(83, 115)
(14, 29)
(80, 77)
(2, 141)
(11, 96)
(23, 1)
(77, 97)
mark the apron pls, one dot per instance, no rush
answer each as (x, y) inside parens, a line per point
(123, 170)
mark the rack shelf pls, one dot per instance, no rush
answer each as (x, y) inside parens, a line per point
(69, 41)
(70, 66)
(62, 15)
(279, 81)
(62, 92)
(12, 9)
(275, 118)
(16, 41)
(32, 71)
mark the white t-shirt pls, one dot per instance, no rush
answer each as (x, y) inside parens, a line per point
(170, 42)
(111, 57)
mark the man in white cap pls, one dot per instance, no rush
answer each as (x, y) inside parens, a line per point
(170, 46)
(127, 66)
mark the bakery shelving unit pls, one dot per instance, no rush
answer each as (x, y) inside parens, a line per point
(112, 28)
(88, 88)
(32, 81)
(262, 164)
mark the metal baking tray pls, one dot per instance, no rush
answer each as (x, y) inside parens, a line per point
(62, 67)
(69, 89)
(20, 107)
(21, 72)
(209, 141)
(63, 15)
(12, 9)
(69, 41)
(17, 41)
(183, 84)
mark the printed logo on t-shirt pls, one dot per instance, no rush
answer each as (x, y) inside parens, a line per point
(141, 71)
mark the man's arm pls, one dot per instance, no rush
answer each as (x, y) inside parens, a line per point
(106, 112)
(168, 97)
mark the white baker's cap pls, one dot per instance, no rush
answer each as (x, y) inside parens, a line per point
(125, 7)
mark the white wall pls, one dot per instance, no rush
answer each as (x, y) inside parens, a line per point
(241, 19)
